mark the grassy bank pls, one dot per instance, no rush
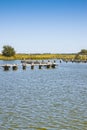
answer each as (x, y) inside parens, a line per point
(44, 56)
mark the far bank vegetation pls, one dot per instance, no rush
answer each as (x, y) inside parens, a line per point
(82, 55)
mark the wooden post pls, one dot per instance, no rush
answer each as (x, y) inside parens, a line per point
(6, 67)
(40, 66)
(60, 61)
(48, 66)
(24, 66)
(32, 66)
(14, 67)
(53, 65)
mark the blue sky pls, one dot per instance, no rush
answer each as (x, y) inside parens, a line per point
(44, 26)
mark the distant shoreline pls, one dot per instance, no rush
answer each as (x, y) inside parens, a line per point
(43, 56)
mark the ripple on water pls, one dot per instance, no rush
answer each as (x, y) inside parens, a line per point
(54, 99)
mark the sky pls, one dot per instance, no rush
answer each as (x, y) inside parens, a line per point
(43, 26)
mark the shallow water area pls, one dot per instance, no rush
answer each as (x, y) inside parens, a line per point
(44, 99)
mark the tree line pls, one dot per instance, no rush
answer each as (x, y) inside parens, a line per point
(9, 51)
(83, 52)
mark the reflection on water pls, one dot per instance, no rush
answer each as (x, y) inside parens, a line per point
(46, 99)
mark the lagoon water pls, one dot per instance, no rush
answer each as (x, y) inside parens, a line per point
(46, 99)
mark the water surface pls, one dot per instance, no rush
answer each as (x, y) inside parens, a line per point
(46, 99)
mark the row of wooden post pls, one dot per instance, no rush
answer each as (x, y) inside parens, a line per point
(15, 67)
(7, 67)
(40, 66)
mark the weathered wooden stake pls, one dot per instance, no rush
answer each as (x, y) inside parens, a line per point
(24, 67)
(6, 67)
(40, 66)
(32, 66)
(53, 66)
(48, 66)
(14, 67)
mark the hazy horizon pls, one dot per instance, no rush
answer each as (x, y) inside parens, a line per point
(44, 26)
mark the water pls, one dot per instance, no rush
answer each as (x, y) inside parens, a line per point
(46, 99)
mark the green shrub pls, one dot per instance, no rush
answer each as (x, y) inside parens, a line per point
(8, 51)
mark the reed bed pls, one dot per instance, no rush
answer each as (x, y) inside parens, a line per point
(44, 56)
